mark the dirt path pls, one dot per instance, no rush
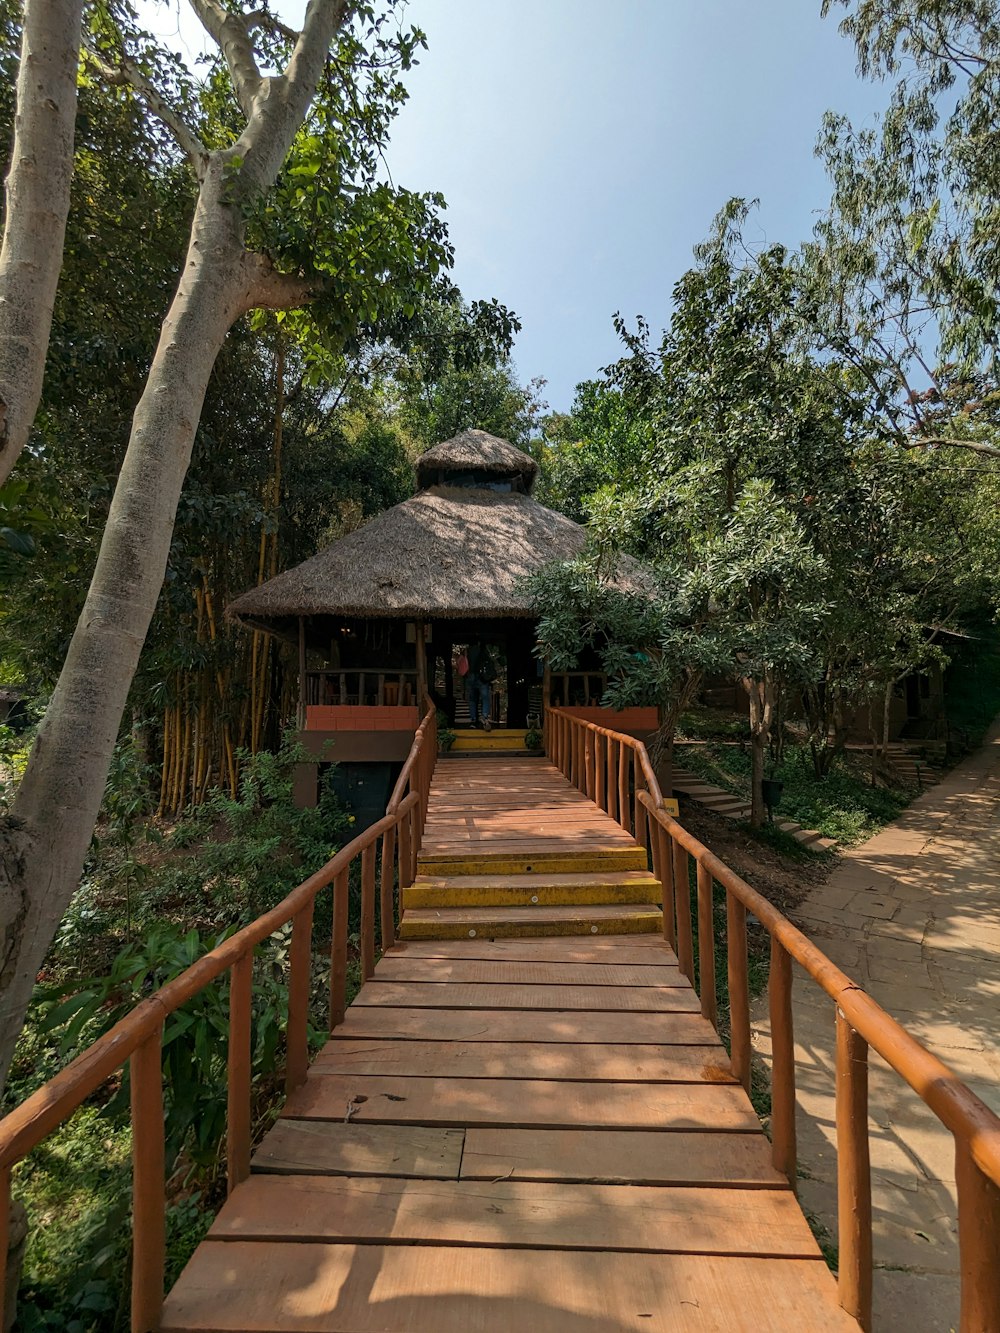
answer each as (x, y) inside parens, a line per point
(914, 916)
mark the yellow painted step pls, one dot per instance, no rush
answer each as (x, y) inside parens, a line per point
(539, 889)
(460, 923)
(482, 742)
(481, 863)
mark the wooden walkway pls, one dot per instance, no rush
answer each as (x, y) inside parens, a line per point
(514, 1134)
(512, 849)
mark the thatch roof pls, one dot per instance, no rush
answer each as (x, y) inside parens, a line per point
(448, 552)
(474, 450)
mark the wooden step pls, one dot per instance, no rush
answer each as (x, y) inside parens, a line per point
(504, 922)
(538, 889)
(558, 949)
(624, 1157)
(594, 1062)
(238, 1286)
(535, 972)
(516, 1215)
(321, 1147)
(496, 741)
(515, 859)
(452, 1102)
(511, 1028)
(478, 997)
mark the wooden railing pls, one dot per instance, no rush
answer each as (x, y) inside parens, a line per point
(615, 771)
(137, 1038)
(361, 685)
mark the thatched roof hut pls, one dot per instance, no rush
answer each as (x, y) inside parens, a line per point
(450, 552)
(447, 553)
(481, 456)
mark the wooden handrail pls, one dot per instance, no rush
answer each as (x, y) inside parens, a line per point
(136, 1039)
(418, 766)
(860, 1023)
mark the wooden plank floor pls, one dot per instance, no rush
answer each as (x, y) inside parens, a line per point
(514, 1135)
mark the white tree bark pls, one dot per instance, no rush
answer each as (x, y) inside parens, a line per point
(38, 188)
(43, 843)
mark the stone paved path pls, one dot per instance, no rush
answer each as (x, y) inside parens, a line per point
(914, 916)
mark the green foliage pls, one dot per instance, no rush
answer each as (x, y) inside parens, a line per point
(904, 272)
(972, 685)
(445, 735)
(844, 805)
(194, 1037)
(130, 930)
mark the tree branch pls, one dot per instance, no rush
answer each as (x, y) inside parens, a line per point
(948, 442)
(263, 18)
(232, 34)
(128, 74)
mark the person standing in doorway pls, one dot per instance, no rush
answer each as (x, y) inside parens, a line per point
(478, 684)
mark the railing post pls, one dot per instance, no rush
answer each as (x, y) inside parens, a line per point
(739, 989)
(978, 1243)
(300, 967)
(588, 761)
(414, 840)
(661, 869)
(338, 948)
(706, 945)
(405, 877)
(4, 1226)
(779, 992)
(623, 801)
(639, 810)
(854, 1183)
(667, 882)
(239, 1072)
(682, 904)
(368, 912)
(599, 771)
(387, 904)
(149, 1232)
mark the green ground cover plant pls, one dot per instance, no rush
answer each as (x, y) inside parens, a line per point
(843, 805)
(153, 899)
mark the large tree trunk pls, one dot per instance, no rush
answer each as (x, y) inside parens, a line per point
(52, 819)
(44, 840)
(761, 694)
(38, 189)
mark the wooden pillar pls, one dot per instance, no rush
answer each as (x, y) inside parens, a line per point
(420, 644)
(302, 674)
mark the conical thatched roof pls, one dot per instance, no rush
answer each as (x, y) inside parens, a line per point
(474, 450)
(447, 552)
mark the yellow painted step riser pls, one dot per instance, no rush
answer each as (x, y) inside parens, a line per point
(567, 896)
(506, 930)
(631, 859)
(484, 743)
(500, 733)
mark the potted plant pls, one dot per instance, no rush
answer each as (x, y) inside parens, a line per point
(445, 735)
(533, 739)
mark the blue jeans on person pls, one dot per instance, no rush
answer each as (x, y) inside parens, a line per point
(477, 696)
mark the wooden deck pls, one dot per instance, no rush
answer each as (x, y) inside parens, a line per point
(512, 1134)
(512, 849)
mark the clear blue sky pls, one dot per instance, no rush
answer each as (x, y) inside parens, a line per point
(584, 147)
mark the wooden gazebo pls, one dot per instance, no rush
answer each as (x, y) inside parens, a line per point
(378, 615)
